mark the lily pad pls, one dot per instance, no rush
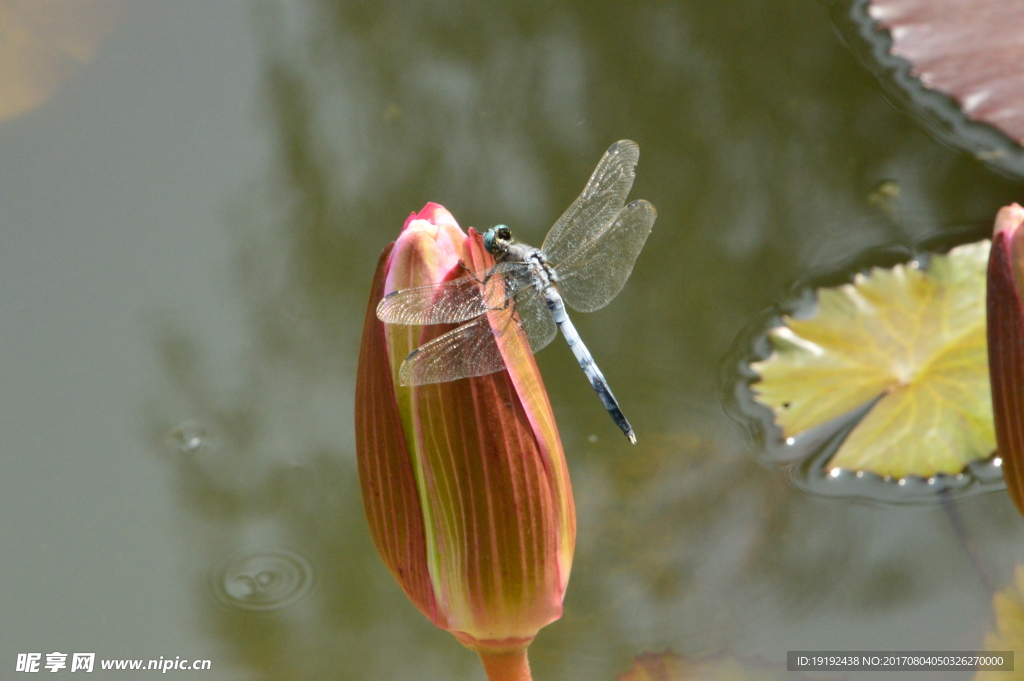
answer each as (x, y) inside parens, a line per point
(969, 49)
(1008, 605)
(912, 341)
(956, 65)
(668, 666)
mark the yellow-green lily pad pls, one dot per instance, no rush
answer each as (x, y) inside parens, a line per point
(912, 338)
(1008, 606)
(668, 666)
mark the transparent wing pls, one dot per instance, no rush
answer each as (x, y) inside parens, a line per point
(602, 199)
(533, 315)
(454, 301)
(471, 349)
(593, 275)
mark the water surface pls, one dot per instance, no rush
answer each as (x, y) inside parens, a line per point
(191, 222)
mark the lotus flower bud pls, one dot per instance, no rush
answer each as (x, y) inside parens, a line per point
(464, 484)
(1006, 344)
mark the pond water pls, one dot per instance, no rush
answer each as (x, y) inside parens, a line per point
(193, 204)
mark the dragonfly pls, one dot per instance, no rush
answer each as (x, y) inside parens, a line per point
(584, 262)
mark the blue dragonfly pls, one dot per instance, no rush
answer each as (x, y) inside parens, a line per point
(584, 262)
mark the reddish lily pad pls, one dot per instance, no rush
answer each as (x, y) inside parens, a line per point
(972, 50)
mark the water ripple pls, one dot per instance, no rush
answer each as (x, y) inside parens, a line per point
(264, 580)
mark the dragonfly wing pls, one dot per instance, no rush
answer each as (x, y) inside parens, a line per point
(469, 350)
(472, 349)
(602, 199)
(453, 301)
(595, 274)
(533, 315)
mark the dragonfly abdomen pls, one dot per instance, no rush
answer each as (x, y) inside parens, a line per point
(586, 361)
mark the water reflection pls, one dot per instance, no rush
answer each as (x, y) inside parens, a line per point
(761, 148)
(43, 44)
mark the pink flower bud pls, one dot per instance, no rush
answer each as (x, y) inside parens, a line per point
(464, 484)
(1006, 344)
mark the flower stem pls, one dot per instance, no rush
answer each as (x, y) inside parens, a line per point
(506, 666)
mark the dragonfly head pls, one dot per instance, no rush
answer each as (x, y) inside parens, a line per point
(497, 239)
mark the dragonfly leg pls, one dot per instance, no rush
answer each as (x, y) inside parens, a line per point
(472, 274)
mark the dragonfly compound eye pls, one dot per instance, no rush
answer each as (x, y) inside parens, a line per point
(495, 237)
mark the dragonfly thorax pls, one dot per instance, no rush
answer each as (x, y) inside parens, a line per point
(499, 243)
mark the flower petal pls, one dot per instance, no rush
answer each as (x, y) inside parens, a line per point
(496, 497)
(390, 496)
